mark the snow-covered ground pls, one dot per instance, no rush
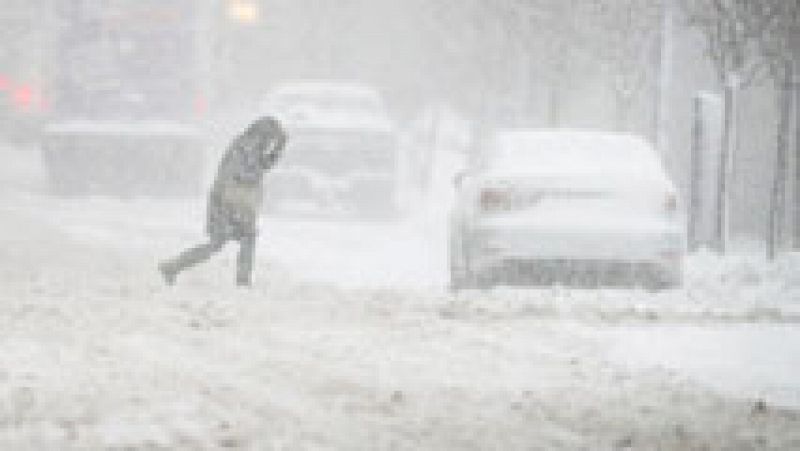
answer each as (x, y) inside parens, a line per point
(758, 360)
(349, 340)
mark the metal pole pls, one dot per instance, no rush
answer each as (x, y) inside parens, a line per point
(777, 200)
(664, 77)
(796, 197)
(727, 148)
(695, 185)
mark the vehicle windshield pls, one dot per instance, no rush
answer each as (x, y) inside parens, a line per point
(326, 102)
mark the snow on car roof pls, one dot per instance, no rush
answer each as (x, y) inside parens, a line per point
(330, 104)
(524, 150)
(324, 88)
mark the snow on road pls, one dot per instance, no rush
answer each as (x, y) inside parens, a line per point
(755, 360)
(350, 341)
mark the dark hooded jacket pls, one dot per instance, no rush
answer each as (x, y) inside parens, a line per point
(236, 195)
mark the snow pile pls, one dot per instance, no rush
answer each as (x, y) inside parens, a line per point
(740, 270)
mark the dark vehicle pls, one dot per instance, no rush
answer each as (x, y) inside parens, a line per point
(126, 93)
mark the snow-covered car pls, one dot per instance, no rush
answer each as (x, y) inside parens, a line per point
(342, 155)
(571, 207)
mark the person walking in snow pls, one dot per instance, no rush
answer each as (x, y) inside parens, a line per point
(235, 200)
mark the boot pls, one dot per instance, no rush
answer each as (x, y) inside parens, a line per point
(243, 282)
(170, 268)
(244, 261)
(168, 272)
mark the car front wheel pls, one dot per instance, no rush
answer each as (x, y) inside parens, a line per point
(662, 279)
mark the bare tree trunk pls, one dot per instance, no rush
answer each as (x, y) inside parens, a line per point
(665, 63)
(554, 105)
(796, 199)
(777, 207)
(725, 154)
(624, 104)
(695, 196)
(619, 118)
(557, 88)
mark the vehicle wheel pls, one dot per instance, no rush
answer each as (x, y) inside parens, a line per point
(657, 286)
(662, 280)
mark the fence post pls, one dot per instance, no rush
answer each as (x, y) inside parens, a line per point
(796, 197)
(696, 171)
(777, 207)
(726, 155)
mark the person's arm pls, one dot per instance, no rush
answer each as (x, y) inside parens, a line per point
(247, 165)
(250, 170)
(275, 150)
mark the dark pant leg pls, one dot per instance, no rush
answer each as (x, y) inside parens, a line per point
(196, 255)
(244, 261)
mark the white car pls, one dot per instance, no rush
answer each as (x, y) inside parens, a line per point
(343, 152)
(572, 207)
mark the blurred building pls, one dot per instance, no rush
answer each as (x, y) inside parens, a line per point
(22, 65)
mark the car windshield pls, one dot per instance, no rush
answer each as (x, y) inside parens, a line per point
(570, 152)
(327, 101)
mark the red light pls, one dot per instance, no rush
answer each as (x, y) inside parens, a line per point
(22, 96)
